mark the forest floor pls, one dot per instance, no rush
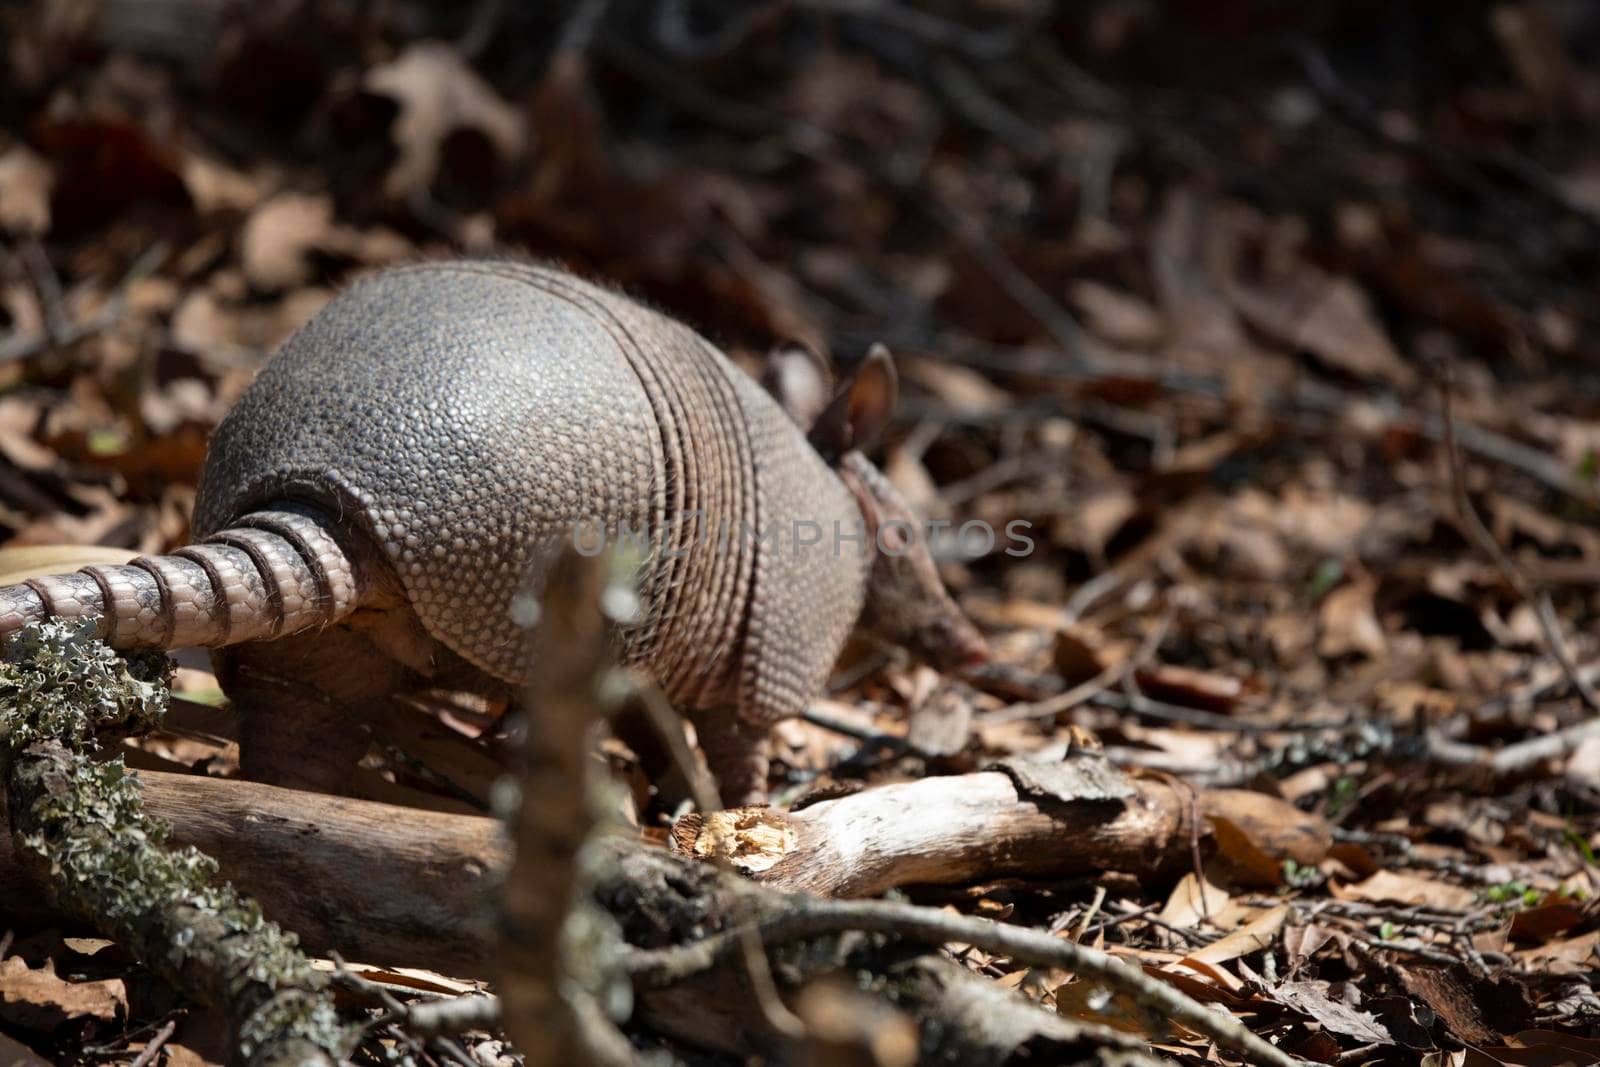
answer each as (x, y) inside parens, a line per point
(1277, 327)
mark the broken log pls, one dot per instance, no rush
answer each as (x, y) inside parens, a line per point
(947, 831)
(385, 884)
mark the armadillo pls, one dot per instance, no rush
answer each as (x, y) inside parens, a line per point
(378, 510)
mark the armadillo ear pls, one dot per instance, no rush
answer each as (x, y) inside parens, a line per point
(861, 408)
(797, 377)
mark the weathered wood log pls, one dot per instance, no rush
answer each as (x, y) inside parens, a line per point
(379, 883)
(386, 884)
(945, 831)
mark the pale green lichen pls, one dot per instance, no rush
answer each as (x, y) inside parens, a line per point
(60, 688)
(59, 683)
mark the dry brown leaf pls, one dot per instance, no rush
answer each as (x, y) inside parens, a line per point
(965, 390)
(1098, 516)
(1554, 915)
(1300, 943)
(1119, 317)
(37, 999)
(1329, 317)
(438, 92)
(1241, 858)
(1255, 935)
(1350, 624)
(1191, 900)
(25, 183)
(178, 1055)
(215, 186)
(1190, 687)
(1265, 825)
(1546, 1048)
(1081, 652)
(1391, 887)
(941, 723)
(1221, 976)
(410, 977)
(1572, 956)
(278, 235)
(1314, 999)
(1584, 763)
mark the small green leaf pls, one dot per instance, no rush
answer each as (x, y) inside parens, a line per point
(1329, 573)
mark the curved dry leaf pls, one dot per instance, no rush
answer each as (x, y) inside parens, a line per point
(1253, 936)
(1266, 824)
(216, 187)
(1388, 887)
(1191, 901)
(1119, 317)
(1313, 999)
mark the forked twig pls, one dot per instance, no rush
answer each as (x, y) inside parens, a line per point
(1544, 611)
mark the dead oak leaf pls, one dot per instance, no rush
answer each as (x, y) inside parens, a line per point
(1315, 998)
(40, 1000)
(437, 93)
(1327, 316)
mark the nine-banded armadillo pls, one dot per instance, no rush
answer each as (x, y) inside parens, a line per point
(379, 507)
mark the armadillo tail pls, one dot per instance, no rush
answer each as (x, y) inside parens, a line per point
(272, 573)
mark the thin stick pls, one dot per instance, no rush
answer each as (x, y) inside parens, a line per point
(1544, 611)
(1101, 682)
(148, 1054)
(669, 726)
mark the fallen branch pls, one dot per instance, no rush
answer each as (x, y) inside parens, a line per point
(401, 885)
(951, 830)
(808, 917)
(81, 826)
(391, 884)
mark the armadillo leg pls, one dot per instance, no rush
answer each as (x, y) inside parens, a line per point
(305, 705)
(738, 753)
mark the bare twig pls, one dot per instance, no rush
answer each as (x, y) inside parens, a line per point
(1517, 757)
(453, 1015)
(1101, 682)
(148, 1054)
(1544, 611)
(809, 918)
(759, 969)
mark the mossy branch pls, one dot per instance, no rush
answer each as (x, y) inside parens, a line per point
(82, 824)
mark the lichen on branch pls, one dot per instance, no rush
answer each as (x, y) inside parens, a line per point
(83, 824)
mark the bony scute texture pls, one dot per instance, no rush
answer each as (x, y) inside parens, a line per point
(471, 418)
